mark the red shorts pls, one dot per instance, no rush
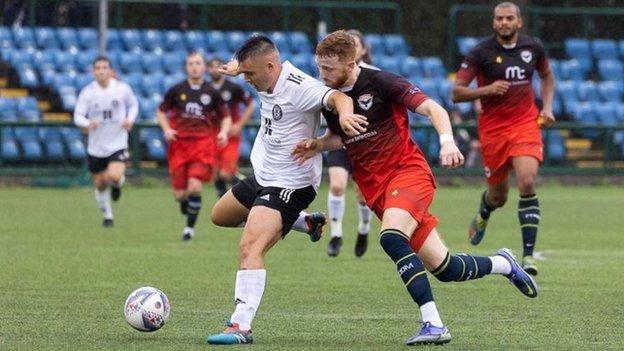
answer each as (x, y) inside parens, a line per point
(191, 158)
(498, 150)
(412, 190)
(227, 156)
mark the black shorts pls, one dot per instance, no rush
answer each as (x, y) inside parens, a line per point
(289, 202)
(339, 158)
(99, 164)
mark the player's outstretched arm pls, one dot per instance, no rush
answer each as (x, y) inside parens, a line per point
(309, 148)
(169, 133)
(226, 124)
(237, 127)
(462, 93)
(547, 86)
(351, 123)
(450, 156)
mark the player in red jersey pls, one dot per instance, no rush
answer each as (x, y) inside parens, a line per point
(233, 95)
(394, 177)
(198, 121)
(509, 127)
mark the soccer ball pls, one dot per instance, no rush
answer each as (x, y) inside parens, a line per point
(147, 309)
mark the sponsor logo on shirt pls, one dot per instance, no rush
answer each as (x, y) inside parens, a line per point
(277, 112)
(365, 101)
(526, 56)
(499, 59)
(226, 95)
(360, 137)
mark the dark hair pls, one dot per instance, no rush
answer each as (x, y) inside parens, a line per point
(508, 4)
(102, 58)
(255, 45)
(195, 53)
(214, 59)
(367, 58)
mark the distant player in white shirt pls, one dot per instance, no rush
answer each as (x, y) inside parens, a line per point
(271, 202)
(106, 110)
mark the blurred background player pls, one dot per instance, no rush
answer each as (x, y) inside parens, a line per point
(272, 200)
(339, 168)
(397, 182)
(233, 95)
(198, 122)
(106, 110)
(509, 129)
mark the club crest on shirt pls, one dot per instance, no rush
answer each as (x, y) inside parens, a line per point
(365, 101)
(526, 56)
(205, 99)
(183, 97)
(115, 103)
(226, 95)
(277, 112)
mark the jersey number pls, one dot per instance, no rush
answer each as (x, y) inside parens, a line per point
(267, 127)
(107, 115)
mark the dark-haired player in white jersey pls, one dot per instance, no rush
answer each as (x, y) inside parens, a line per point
(271, 202)
(106, 109)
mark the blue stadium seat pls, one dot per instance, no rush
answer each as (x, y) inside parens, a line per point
(64, 82)
(6, 38)
(88, 38)
(29, 143)
(47, 74)
(24, 38)
(152, 84)
(67, 37)
(577, 48)
(154, 143)
(621, 48)
(428, 86)
(389, 63)
(173, 40)
(567, 90)
(21, 57)
(571, 69)
(152, 63)
(195, 40)
(147, 108)
(131, 62)
(587, 91)
(557, 107)
(302, 61)
(555, 67)
(433, 67)
(281, 40)
(411, 67)
(52, 141)
(113, 40)
(64, 61)
(84, 60)
(570, 107)
(465, 44)
(395, 45)
(445, 88)
(611, 70)
(134, 80)
(216, 41)
(72, 137)
(28, 109)
(299, 43)
(173, 62)
(375, 43)
(619, 112)
(27, 76)
(584, 113)
(44, 58)
(82, 80)
(8, 110)
(153, 40)
(131, 39)
(234, 40)
(46, 38)
(555, 146)
(610, 91)
(604, 49)
(10, 151)
(173, 79)
(605, 112)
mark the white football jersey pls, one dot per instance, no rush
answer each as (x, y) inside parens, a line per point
(109, 107)
(290, 114)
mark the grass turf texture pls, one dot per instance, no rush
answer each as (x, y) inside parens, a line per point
(64, 278)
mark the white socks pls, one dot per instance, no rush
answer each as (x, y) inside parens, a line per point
(364, 214)
(429, 313)
(336, 208)
(300, 224)
(500, 265)
(104, 202)
(247, 295)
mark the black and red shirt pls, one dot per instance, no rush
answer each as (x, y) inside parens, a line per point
(233, 95)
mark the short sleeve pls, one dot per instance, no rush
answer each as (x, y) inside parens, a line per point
(399, 90)
(309, 94)
(541, 61)
(469, 66)
(168, 101)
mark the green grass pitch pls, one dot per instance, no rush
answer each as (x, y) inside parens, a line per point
(64, 279)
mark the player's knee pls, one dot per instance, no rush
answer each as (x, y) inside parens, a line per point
(497, 199)
(526, 184)
(337, 189)
(217, 217)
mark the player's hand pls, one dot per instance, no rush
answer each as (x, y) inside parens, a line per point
(450, 156)
(499, 87)
(306, 149)
(127, 124)
(231, 68)
(546, 118)
(92, 125)
(170, 134)
(222, 139)
(235, 130)
(353, 124)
